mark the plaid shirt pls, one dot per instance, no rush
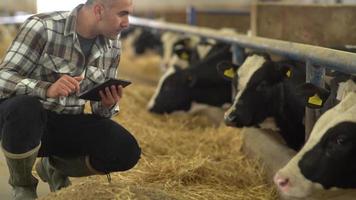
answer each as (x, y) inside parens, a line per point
(47, 47)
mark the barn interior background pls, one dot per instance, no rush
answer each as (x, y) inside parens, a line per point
(190, 156)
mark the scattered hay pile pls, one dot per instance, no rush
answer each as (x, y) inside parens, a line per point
(184, 157)
(7, 34)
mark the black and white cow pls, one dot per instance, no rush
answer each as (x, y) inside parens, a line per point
(184, 50)
(143, 39)
(266, 96)
(179, 88)
(327, 160)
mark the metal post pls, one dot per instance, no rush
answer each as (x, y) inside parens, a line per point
(238, 54)
(315, 75)
(191, 15)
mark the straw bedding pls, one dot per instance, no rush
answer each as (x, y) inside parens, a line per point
(184, 156)
(7, 34)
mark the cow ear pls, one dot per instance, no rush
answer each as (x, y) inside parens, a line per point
(226, 70)
(285, 69)
(314, 96)
(181, 51)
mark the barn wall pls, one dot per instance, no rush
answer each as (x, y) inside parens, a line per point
(241, 23)
(144, 5)
(323, 25)
(8, 7)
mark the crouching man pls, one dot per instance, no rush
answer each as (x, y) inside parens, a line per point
(54, 56)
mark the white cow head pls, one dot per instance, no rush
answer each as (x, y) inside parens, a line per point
(327, 160)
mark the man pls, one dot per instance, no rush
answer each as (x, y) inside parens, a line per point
(54, 56)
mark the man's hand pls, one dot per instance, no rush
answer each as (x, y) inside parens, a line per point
(64, 86)
(111, 96)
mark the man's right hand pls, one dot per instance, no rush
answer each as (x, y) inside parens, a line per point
(64, 86)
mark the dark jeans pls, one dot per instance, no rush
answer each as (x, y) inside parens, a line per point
(24, 123)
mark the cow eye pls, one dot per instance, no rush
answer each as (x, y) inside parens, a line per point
(339, 140)
(261, 86)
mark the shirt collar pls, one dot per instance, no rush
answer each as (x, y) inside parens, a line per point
(71, 21)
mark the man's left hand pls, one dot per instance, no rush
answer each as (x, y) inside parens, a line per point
(111, 96)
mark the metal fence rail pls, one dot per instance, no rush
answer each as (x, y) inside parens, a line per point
(326, 57)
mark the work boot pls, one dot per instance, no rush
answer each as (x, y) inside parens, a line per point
(56, 180)
(23, 183)
(57, 170)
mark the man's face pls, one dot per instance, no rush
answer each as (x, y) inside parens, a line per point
(115, 18)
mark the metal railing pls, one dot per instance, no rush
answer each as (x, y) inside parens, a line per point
(326, 57)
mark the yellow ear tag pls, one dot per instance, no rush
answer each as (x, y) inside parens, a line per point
(185, 56)
(289, 73)
(315, 100)
(229, 72)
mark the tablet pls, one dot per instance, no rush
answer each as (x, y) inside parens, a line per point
(93, 93)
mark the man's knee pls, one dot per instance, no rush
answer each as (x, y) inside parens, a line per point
(26, 107)
(120, 152)
(23, 119)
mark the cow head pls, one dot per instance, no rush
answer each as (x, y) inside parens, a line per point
(327, 159)
(183, 51)
(255, 83)
(172, 92)
(147, 39)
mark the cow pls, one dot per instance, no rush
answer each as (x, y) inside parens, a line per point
(266, 96)
(327, 160)
(179, 88)
(142, 40)
(184, 50)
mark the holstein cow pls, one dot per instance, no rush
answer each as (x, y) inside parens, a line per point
(143, 39)
(266, 96)
(327, 160)
(179, 88)
(184, 50)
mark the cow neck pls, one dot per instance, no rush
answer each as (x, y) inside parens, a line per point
(288, 103)
(279, 102)
(211, 95)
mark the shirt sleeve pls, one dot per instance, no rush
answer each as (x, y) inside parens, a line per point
(20, 60)
(96, 106)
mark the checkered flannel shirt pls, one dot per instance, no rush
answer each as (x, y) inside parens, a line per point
(47, 47)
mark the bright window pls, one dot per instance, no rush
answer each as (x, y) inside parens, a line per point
(56, 5)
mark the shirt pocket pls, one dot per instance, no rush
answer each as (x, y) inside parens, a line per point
(59, 65)
(95, 74)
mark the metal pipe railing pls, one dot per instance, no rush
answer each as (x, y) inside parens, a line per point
(13, 19)
(326, 57)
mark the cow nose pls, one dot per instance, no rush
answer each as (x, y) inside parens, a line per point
(230, 118)
(282, 182)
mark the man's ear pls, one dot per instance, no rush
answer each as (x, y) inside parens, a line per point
(314, 96)
(227, 70)
(98, 11)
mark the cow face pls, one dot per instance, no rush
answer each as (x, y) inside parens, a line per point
(183, 51)
(327, 159)
(256, 80)
(177, 49)
(147, 39)
(173, 92)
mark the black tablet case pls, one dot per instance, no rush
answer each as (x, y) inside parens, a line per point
(93, 93)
